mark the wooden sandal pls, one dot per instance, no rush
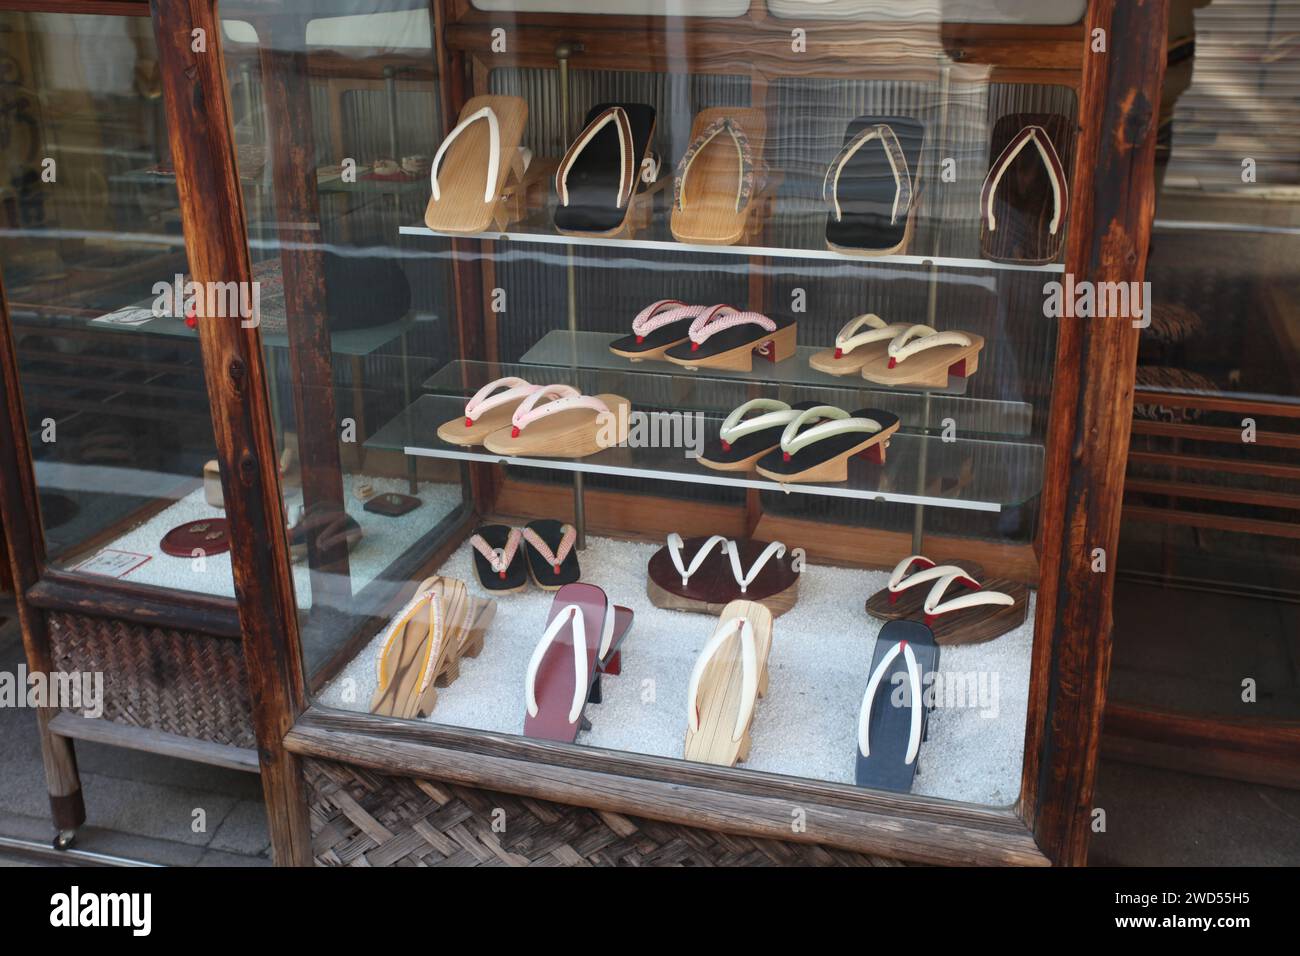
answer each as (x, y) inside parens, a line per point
(582, 634)
(727, 338)
(656, 328)
(721, 181)
(597, 180)
(822, 452)
(490, 410)
(872, 186)
(1026, 196)
(423, 645)
(742, 441)
(918, 355)
(753, 570)
(900, 598)
(499, 563)
(552, 561)
(854, 347)
(988, 611)
(729, 676)
(474, 164)
(569, 425)
(889, 736)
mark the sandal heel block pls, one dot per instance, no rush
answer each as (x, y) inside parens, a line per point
(781, 345)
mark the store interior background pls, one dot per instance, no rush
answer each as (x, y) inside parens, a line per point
(1194, 770)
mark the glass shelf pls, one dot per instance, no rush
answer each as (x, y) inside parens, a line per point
(661, 388)
(966, 474)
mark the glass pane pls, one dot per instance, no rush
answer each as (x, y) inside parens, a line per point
(1208, 611)
(517, 265)
(92, 252)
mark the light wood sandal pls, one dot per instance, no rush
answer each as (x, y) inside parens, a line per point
(569, 425)
(862, 340)
(721, 188)
(921, 356)
(474, 164)
(729, 676)
(822, 452)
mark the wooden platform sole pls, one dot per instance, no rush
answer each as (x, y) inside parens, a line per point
(909, 602)
(777, 603)
(837, 468)
(777, 347)
(719, 694)
(930, 369)
(649, 355)
(978, 625)
(640, 213)
(851, 364)
(744, 464)
(575, 433)
(896, 250)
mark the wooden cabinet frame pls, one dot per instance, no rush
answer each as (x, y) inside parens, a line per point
(1086, 445)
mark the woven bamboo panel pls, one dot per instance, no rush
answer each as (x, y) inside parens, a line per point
(363, 818)
(180, 682)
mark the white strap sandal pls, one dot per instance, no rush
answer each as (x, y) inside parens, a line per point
(936, 604)
(1055, 173)
(675, 544)
(749, 675)
(736, 426)
(746, 578)
(851, 337)
(901, 580)
(897, 164)
(494, 151)
(836, 422)
(916, 701)
(572, 616)
(917, 338)
(627, 162)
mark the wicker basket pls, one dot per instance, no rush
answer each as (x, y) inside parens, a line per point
(180, 682)
(364, 818)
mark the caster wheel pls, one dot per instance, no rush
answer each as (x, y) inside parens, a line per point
(64, 839)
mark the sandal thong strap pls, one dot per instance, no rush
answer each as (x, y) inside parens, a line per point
(850, 337)
(571, 614)
(500, 560)
(918, 338)
(897, 165)
(935, 604)
(929, 572)
(745, 161)
(735, 426)
(404, 617)
(916, 703)
(484, 400)
(494, 151)
(563, 399)
(568, 535)
(661, 313)
(675, 544)
(627, 171)
(748, 671)
(837, 422)
(746, 578)
(1055, 172)
(723, 317)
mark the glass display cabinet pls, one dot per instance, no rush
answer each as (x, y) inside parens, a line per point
(639, 431)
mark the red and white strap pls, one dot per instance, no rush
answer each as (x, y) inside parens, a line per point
(675, 544)
(722, 317)
(627, 171)
(902, 579)
(499, 559)
(935, 604)
(915, 701)
(748, 674)
(851, 338)
(836, 422)
(897, 165)
(488, 397)
(918, 338)
(568, 535)
(1055, 172)
(661, 313)
(563, 399)
(494, 151)
(399, 623)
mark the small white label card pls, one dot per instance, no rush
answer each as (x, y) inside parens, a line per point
(112, 563)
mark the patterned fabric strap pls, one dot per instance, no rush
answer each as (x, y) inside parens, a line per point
(563, 398)
(494, 151)
(897, 165)
(494, 394)
(723, 317)
(627, 171)
(851, 338)
(661, 313)
(1055, 172)
(836, 421)
(500, 560)
(918, 338)
(568, 535)
(745, 157)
